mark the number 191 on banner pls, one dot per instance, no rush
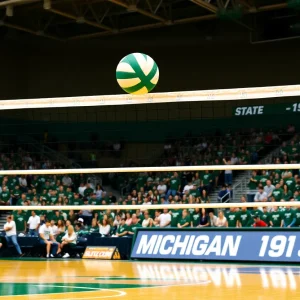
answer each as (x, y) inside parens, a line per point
(277, 246)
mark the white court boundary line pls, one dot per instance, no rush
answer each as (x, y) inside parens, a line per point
(189, 96)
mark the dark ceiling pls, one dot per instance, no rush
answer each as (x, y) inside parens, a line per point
(66, 20)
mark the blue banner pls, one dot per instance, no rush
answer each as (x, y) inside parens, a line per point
(255, 245)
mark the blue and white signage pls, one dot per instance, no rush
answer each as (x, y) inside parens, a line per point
(276, 246)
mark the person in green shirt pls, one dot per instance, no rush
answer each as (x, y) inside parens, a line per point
(265, 216)
(206, 181)
(57, 216)
(141, 181)
(287, 194)
(122, 228)
(5, 196)
(175, 185)
(232, 217)
(134, 225)
(263, 178)
(254, 181)
(277, 193)
(88, 191)
(276, 218)
(77, 200)
(194, 192)
(289, 218)
(291, 184)
(256, 212)
(175, 215)
(244, 217)
(94, 226)
(277, 179)
(297, 216)
(185, 220)
(20, 220)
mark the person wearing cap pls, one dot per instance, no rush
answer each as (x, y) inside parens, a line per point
(11, 234)
(258, 222)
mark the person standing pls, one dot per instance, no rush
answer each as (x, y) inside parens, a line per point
(34, 223)
(11, 234)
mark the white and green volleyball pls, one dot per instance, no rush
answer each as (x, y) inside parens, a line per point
(137, 73)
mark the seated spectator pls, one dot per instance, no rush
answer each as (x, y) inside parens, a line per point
(104, 228)
(164, 219)
(68, 241)
(134, 225)
(224, 194)
(245, 218)
(122, 229)
(147, 222)
(268, 189)
(128, 218)
(221, 220)
(203, 220)
(47, 238)
(185, 220)
(212, 219)
(261, 196)
(258, 222)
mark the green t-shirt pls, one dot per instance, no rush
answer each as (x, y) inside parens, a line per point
(276, 217)
(232, 218)
(56, 218)
(77, 202)
(288, 216)
(174, 183)
(206, 178)
(87, 192)
(263, 179)
(16, 193)
(175, 216)
(291, 183)
(184, 220)
(5, 196)
(195, 193)
(20, 222)
(287, 196)
(52, 199)
(256, 213)
(195, 219)
(122, 228)
(93, 229)
(297, 216)
(277, 194)
(133, 227)
(245, 218)
(265, 217)
(253, 185)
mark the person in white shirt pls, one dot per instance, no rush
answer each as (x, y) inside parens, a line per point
(68, 241)
(188, 187)
(34, 223)
(47, 238)
(104, 228)
(11, 234)
(221, 220)
(164, 219)
(162, 188)
(66, 180)
(261, 196)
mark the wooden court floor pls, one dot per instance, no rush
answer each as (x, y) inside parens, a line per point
(89, 279)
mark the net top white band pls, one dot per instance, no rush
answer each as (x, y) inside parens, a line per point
(206, 95)
(152, 169)
(151, 207)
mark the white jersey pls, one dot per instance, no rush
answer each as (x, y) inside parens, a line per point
(46, 231)
(11, 231)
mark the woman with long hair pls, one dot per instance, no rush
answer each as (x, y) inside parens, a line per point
(104, 228)
(94, 227)
(99, 191)
(221, 220)
(68, 241)
(204, 219)
(147, 222)
(128, 218)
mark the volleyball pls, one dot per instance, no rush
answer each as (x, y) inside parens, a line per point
(137, 73)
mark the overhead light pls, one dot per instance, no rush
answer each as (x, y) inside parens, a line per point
(80, 20)
(9, 10)
(131, 8)
(47, 4)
